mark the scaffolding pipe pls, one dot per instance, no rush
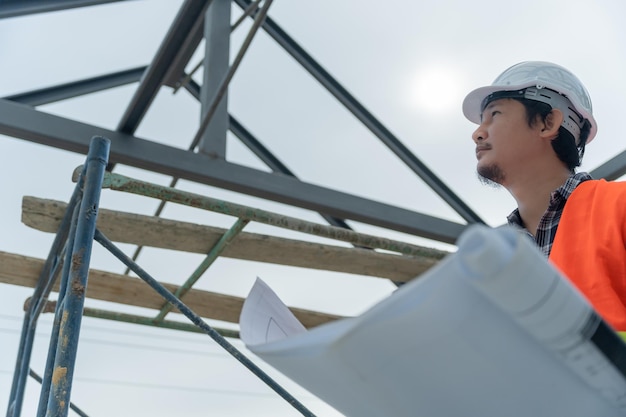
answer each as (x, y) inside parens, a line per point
(197, 320)
(143, 320)
(54, 336)
(122, 183)
(213, 254)
(44, 285)
(73, 302)
(149, 321)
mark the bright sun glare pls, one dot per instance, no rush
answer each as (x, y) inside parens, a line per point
(436, 89)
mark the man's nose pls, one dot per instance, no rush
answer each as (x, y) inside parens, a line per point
(479, 134)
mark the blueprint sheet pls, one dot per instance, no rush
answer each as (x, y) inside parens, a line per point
(492, 330)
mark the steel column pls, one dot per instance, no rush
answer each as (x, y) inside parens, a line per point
(222, 88)
(216, 63)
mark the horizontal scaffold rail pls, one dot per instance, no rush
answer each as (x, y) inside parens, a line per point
(45, 215)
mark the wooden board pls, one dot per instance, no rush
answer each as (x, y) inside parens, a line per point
(157, 232)
(24, 271)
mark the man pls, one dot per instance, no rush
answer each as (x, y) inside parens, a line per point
(534, 122)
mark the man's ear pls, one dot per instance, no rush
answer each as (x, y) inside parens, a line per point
(552, 123)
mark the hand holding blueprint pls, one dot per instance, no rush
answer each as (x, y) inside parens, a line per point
(492, 330)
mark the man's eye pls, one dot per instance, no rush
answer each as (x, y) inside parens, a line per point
(493, 113)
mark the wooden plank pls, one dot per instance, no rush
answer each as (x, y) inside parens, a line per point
(106, 286)
(157, 232)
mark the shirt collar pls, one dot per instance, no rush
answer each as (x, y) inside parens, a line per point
(563, 193)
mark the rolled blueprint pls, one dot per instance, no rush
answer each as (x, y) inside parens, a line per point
(492, 330)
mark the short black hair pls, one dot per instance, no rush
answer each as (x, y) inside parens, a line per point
(564, 144)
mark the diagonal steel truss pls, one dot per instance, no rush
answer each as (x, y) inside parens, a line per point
(168, 69)
(19, 119)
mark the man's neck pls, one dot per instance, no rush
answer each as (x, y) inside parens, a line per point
(533, 196)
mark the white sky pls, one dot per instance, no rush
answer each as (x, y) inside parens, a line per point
(389, 57)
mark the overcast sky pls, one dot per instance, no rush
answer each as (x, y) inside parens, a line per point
(409, 63)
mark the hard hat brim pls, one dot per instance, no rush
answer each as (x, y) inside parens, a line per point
(474, 100)
(472, 104)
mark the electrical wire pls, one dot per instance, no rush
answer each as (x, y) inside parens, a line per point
(218, 354)
(149, 385)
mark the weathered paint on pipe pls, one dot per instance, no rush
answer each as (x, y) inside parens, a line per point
(46, 280)
(73, 303)
(122, 183)
(149, 321)
(56, 328)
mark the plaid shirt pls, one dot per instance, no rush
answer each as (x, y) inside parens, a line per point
(550, 219)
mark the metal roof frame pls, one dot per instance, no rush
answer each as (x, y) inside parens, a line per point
(19, 118)
(181, 40)
(167, 69)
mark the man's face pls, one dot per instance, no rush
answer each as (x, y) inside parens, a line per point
(503, 140)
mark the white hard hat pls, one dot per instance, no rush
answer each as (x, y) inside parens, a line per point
(539, 81)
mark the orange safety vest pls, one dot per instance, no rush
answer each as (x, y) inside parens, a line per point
(589, 247)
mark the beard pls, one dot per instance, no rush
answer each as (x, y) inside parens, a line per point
(490, 175)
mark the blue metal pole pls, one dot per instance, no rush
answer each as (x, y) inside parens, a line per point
(197, 320)
(54, 337)
(71, 315)
(47, 277)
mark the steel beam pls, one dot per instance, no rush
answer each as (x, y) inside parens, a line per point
(21, 7)
(78, 88)
(612, 169)
(186, 50)
(368, 119)
(24, 122)
(178, 35)
(216, 63)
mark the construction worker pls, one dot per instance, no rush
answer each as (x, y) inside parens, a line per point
(534, 122)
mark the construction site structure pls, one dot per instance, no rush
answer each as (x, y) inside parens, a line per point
(80, 221)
